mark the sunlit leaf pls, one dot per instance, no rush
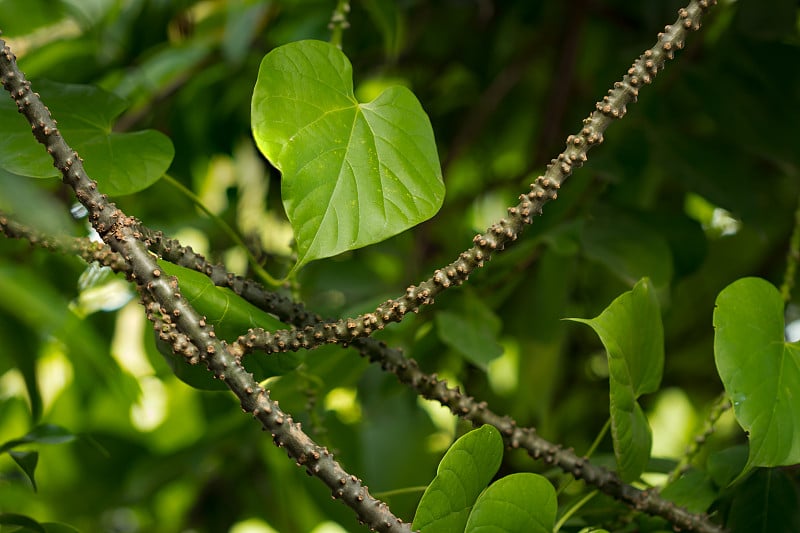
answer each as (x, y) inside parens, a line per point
(121, 163)
(353, 173)
(518, 503)
(630, 328)
(760, 370)
(463, 473)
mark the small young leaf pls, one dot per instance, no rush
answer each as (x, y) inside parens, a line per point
(630, 328)
(463, 473)
(518, 503)
(231, 317)
(760, 371)
(27, 461)
(122, 163)
(353, 173)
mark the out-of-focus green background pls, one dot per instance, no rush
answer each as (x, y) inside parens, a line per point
(695, 188)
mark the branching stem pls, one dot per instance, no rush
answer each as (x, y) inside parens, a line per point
(505, 231)
(175, 319)
(177, 322)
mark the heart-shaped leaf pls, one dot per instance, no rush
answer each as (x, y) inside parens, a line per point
(353, 173)
(231, 316)
(630, 328)
(463, 473)
(518, 503)
(122, 163)
(760, 370)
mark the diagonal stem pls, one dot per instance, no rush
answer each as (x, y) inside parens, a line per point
(505, 231)
(176, 320)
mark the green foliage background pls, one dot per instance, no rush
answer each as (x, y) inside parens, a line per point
(504, 83)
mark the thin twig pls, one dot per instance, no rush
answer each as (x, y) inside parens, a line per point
(792, 258)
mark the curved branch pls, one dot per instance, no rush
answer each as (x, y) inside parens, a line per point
(176, 320)
(505, 231)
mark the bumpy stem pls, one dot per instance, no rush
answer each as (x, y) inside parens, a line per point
(339, 22)
(478, 413)
(505, 231)
(718, 408)
(84, 248)
(312, 331)
(392, 360)
(175, 319)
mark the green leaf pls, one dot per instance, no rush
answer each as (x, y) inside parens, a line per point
(39, 305)
(42, 434)
(388, 17)
(353, 173)
(630, 328)
(628, 248)
(765, 503)
(26, 522)
(724, 466)
(57, 527)
(27, 461)
(693, 490)
(21, 347)
(471, 330)
(29, 204)
(231, 317)
(122, 163)
(519, 503)
(760, 370)
(463, 473)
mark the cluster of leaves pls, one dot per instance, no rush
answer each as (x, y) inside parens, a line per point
(693, 191)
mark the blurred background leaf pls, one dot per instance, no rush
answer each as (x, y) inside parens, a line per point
(695, 188)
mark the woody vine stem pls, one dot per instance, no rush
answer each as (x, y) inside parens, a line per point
(131, 249)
